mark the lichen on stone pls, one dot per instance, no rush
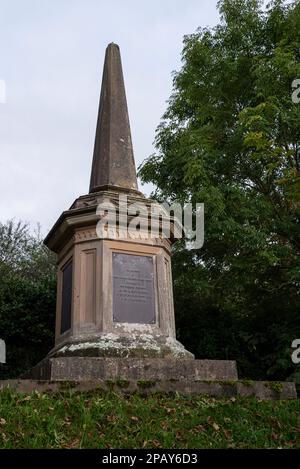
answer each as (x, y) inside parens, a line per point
(134, 345)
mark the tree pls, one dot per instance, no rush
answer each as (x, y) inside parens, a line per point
(230, 139)
(27, 297)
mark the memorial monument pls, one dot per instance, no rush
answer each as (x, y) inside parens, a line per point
(115, 314)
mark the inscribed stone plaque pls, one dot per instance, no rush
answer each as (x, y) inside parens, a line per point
(66, 305)
(133, 289)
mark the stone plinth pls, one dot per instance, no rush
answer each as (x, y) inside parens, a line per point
(114, 293)
(91, 368)
(266, 390)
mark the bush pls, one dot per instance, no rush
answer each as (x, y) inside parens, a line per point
(27, 297)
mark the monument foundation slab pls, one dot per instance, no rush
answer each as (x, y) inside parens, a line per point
(151, 369)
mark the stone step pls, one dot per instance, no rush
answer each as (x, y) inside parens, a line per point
(157, 369)
(266, 390)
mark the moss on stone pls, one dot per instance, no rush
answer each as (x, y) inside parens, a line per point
(275, 386)
(228, 383)
(247, 382)
(146, 384)
(110, 384)
(122, 383)
(66, 385)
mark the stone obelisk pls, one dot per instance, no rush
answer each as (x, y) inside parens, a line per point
(115, 314)
(114, 296)
(113, 162)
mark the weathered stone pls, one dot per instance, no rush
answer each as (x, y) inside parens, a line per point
(91, 368)
(113, 162)
(216, 389)
(267, 389)
(134, 344)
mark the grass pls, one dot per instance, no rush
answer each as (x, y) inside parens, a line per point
(107, 420)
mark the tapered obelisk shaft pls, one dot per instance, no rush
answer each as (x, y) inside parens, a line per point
(113, 161)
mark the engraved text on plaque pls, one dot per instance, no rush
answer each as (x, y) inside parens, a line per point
(133, 289)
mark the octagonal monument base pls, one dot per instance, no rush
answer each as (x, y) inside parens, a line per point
(133, 345)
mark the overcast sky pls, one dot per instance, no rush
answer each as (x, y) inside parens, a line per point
(52, 54)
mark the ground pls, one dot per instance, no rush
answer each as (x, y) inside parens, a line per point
(107, 420)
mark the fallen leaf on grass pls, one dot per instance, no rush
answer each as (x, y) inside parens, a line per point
(275, 422)
(216, 427)
(199, 429)
(170, 410)
(179, 435)
(112, 418)
(227, 433)
(74, 444)
(231, 446)
(156, 443)
(164, 426)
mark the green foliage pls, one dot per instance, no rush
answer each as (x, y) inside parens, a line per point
(27, 297)
(99, 420)
(230, 139)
